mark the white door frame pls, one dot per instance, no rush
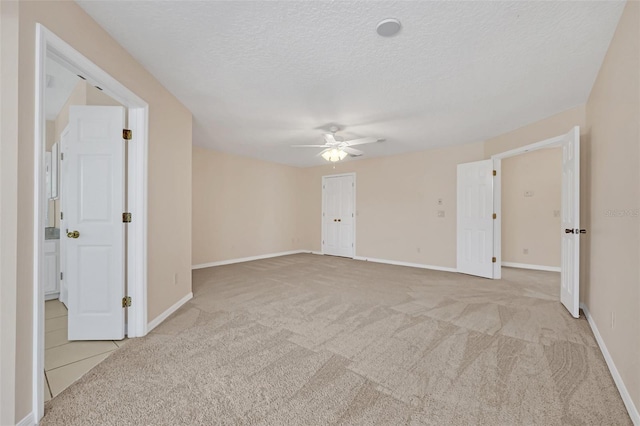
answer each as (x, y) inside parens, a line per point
(50, 45)
(497, 192)
(354, 211)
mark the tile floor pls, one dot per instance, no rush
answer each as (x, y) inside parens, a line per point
(65, 361)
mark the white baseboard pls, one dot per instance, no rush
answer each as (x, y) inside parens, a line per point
(626, 398)
(317, 252)
(163, 316)
(52, 296)
(530, 266)
(247, 259)
(27, 421)
(411, 265)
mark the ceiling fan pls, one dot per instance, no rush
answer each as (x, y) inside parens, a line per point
(336, 149)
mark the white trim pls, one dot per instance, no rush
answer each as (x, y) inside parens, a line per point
(530, 266)
(50, 45)
(554, 142)
(547, 143)
(624, 393)
(163, 316)
(411, 265)
(137, 196)
(353, 174)
(497, 222)
(247, 259)
(317, 252)
(27, 421)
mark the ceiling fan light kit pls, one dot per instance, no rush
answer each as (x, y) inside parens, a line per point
(337, 149)
(334, 155)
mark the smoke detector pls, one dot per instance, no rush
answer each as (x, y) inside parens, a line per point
(388, 27)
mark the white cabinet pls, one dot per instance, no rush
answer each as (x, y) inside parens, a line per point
(51, 273)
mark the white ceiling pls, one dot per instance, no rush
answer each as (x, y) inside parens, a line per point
(60, 84)
(260, 76)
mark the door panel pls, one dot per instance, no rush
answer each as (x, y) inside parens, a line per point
(338, 215)
(475, 218)
(93, 206)
(570, 275)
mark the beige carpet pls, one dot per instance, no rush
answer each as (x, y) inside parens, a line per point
(316, 340)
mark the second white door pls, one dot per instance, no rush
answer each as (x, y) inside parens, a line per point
(338, 215)
(475, 219)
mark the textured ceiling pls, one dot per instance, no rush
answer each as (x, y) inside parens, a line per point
(260, 76)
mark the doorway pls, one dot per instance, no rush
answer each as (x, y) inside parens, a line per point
(338, 215)
(569, 230)
(488, 192)
(83, 321)
(49, 47)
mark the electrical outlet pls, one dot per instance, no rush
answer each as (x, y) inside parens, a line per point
(556, 213)
(525, 251)
(439, 201)
(440, 213)
(528, 193)
(418, 249)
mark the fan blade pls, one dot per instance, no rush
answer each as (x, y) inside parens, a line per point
(308, 146)
(362, 141)
(352, 151)
(330, 139)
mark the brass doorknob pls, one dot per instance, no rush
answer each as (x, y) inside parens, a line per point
(339, 220)
(335, 220)
(73, 234)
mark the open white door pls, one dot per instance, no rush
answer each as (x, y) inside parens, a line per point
(338, 215)
(92, 226)
(475, 218)
(570, 275)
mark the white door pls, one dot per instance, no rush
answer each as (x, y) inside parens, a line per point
(338, 215)
(92, 227)
(475, 218)
(570, 275)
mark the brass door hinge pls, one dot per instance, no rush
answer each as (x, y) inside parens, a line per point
(127, 134)
(126, 302)
(495, 216)
(126, 217)
(493, 260)
(495, 173)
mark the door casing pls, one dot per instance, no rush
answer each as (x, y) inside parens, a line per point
(50, 45)
(556, 141)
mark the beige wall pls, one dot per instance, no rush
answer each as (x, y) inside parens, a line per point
(50, 129)
(547, 128)
(242, 207)
(532, 223)
(8, 208)
(169, 227)
(611, 285)
(397, 204)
